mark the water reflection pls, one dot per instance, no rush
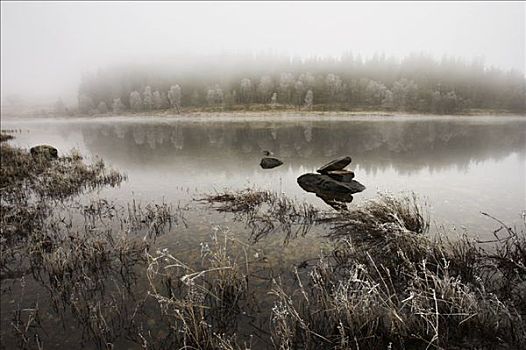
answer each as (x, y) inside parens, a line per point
(405, 146)
(461, 166)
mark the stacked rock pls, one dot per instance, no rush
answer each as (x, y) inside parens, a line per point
(333, 184)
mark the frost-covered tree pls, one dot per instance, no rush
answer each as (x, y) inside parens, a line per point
(387, 102)
(299, 91)
(215, 96)
(219, 96)
(102, 108)
(307, 79)
(147, 98)
(451, 102)
(85, 104)
(274, 100)
(444, 102)
(286, 86)
(375, 92)
(246, 90)
(334, 86)
(135, 101)
(309, 100)
(164, 101)
(265, 87)
(404, 94)
(174, 97)
(436, 101)
(348, 85)
(211, 97)
(157, 102)
(117, 106)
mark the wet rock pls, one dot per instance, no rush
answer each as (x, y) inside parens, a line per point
(326, 185)
(341, 175)
(269, 163)
(45, 151)
(334, 193)
(337, 164)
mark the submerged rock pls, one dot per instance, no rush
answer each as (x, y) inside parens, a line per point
(45, 151)
(269, 163)
(341, 175)
(337, 164)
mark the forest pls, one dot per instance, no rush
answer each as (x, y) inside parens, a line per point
(417, 83)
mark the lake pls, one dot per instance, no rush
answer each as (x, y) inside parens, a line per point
(459, 166)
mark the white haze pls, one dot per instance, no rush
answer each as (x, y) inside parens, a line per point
(46, 46)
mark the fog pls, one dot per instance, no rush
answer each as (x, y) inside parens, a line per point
(46, 47)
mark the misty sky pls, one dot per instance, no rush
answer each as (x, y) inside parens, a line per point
(46, 46)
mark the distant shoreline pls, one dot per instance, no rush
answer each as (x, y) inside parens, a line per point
(258, 114)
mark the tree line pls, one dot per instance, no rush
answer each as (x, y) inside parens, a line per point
(417, 83)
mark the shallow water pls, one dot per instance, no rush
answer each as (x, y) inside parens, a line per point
(460, 166)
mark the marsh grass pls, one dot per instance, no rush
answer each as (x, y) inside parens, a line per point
(202, 306)
(88, 257)
(29, 188)
(5, 137)
(386, 283)
(266, 212)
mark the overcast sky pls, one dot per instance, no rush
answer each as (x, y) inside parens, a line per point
(45, 46)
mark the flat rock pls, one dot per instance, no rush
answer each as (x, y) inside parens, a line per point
(337, 164)
(341, 175)
(269, 163)
(325, 185)
(45, 151)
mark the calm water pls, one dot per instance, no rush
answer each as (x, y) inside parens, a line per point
(459, 165)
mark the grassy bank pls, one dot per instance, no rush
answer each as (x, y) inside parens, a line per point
(381, 282)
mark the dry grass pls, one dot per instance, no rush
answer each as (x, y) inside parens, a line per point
(386, 284)
(389, 285)
(201, 306)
